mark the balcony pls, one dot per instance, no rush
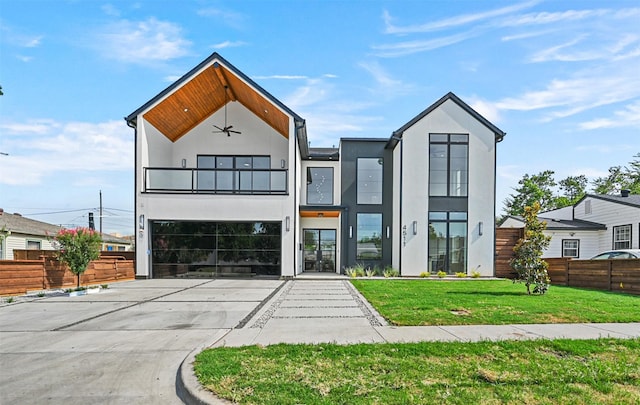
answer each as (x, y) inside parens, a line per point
(215, 181)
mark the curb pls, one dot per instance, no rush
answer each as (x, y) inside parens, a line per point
(189, 389)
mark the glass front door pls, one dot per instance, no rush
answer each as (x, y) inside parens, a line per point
(320, 250)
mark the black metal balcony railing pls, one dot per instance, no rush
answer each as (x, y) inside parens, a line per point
(215, 181)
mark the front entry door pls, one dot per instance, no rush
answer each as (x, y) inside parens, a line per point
(320, 250)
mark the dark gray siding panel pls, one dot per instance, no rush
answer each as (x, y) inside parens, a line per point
(351, 150)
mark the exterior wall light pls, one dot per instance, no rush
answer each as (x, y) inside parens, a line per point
(287, 223)
(141, 222)
(415, 227)
(480, 228)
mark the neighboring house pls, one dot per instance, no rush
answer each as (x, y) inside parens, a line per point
(113, 243)
(23, 233)
(594, 224)
(226, 184)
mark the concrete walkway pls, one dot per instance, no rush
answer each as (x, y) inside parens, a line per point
(126, 344)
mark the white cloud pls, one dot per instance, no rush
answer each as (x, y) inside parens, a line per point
(455, 21)
(228, 44)
(628, 117)
(142, 42)
(110, 9)
(55, 149)
(230, 18)
(411, 47)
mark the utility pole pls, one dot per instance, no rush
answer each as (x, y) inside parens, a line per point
(100, 212)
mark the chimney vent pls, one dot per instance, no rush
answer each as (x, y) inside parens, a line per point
(624, 193)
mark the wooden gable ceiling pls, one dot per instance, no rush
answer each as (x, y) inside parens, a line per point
(203, 95)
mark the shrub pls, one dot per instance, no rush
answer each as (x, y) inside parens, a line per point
(371, 271)
(441, 274)
(390, 272)
(461, 274)
(425, 274)
(528, 263)
(475, 274)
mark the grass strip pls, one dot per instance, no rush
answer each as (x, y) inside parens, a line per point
(604, 371)
(421, 302)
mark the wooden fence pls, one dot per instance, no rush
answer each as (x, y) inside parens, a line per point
(506, 239)
(619, 275)
(19, 276)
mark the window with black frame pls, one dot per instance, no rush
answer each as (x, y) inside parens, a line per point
(448, 165)
(447, 244)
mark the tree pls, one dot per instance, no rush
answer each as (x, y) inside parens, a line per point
(536, 188)
(528, 263)
(573, 188)
(77, 247)
(620, 178)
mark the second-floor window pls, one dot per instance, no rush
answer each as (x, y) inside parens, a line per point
(369, 181)
(242, 173)
(448, 165)
(320, 185)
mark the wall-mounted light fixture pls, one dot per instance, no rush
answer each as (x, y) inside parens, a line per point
(282, 163)
(415, 227)
(480, 228)
(350, 232)
(287, 223)
(184, 163)
(141, 222)
(388, 232)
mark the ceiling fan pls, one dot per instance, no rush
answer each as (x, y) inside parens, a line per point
(227, 128)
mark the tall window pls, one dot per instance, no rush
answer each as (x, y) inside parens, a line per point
(570, 248)
(320, 185)
(369, 237)
(448, 242)
(448, 165)
(369, 181)
(622, 237)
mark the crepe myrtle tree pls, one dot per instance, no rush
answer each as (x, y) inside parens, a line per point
(77, 247)
(528, 263)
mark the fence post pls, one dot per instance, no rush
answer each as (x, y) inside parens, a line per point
(567, 267)
(610, 278)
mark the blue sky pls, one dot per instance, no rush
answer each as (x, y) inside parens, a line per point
(560, 77)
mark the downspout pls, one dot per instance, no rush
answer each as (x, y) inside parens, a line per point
(399, 231)
(135, 186)
(498, 139)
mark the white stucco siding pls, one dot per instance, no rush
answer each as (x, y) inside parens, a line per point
(610, 214)
(448, 118)
(396, 232)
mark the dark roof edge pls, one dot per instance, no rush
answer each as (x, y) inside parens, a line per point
(396, 136)
(603, 197)
(299, 122)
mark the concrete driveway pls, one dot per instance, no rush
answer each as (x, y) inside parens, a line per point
(121, 346)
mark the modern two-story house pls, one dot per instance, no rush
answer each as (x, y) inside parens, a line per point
(226, 184)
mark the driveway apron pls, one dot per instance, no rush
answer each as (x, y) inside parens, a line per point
(121, 346)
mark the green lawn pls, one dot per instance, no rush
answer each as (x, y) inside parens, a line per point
(605, 371)
(495, 302)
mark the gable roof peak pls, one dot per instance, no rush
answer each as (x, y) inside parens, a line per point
(396, 136)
